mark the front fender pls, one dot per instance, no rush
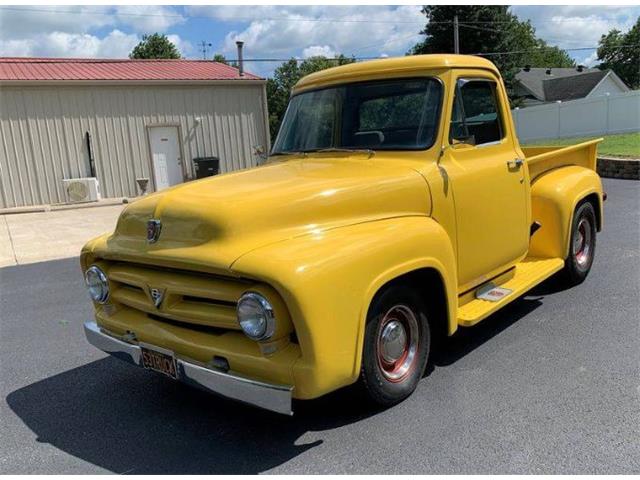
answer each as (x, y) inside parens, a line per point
(329, 278)
(554, 197)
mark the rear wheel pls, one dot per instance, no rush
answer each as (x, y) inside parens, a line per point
(583, 245)
(396, 346)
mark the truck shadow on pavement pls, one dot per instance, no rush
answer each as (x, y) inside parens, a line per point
(127, 420)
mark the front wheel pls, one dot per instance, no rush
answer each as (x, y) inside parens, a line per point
(396, 346)
(583, 245)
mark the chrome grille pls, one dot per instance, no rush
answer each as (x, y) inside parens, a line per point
(187, 297)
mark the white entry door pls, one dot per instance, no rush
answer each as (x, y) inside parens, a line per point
(165, 153)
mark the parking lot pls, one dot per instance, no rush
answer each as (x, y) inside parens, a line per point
(551, 384)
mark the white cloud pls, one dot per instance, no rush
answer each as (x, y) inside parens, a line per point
(69, 31)
(148, 18)
(274, 31)
(15, 48)
(116, 44)
(311, 26)
(573, 26)
(298, 31)
(589, 61)
(184, 46)
(318, 50)
(362, 31)
(20, 22)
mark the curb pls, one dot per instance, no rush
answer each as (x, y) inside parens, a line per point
(627, 168)
(107, 202)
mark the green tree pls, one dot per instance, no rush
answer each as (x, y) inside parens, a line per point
(286, 76)
(621, 53)
(492, 30)
(218, 57)
(155, 46)
(544, 55)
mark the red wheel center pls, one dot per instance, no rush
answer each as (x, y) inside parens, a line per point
(582, 243)
(397, 343)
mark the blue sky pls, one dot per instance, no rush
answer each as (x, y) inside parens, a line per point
(271, 31)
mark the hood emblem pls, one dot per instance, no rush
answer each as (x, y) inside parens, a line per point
(157, 296)
(153, 230)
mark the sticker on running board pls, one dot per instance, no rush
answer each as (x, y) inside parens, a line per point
(492, 293)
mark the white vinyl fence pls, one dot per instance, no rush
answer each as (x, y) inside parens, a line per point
(580, 118)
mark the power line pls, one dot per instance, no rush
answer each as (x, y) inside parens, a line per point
(539, 48)
(218, 17)
(376, 45)
(279, 19)
(479, 54)
(465, 25)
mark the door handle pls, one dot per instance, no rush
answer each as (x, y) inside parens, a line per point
(515, 163)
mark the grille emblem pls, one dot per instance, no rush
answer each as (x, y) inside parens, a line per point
(153, 230)
(157, 295)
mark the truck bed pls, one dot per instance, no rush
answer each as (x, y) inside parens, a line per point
(543, 159)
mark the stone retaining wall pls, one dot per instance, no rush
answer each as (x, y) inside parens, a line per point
(619, 168)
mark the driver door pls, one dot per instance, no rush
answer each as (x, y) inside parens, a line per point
(488, 182)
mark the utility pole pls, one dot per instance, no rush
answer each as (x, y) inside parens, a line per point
(203, 48)
(456, 38)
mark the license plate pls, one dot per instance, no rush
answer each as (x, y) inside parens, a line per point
(159, 362)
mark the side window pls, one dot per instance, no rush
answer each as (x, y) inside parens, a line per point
(475, 118)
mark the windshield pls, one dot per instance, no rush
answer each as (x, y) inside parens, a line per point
(382, 115)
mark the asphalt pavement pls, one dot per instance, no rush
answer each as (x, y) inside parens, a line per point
(551, 384)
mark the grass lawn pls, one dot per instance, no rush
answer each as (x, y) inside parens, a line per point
(624, 145)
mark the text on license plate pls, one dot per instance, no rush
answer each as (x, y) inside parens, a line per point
(158, 361)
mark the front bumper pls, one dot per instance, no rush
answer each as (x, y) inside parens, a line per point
(276, 398)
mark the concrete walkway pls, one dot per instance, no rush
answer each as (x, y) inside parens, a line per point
(37, 237)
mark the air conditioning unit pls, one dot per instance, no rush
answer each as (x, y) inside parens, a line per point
(82, 189)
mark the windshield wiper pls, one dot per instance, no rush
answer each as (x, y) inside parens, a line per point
(368, 151)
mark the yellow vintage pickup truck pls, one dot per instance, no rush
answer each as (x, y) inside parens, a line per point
(396, 207)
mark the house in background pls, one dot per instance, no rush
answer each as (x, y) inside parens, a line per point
(71, 127)
(536, 86)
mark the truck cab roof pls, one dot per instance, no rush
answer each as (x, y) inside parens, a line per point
(384, 68)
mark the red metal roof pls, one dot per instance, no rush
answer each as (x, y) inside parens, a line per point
(29, 69)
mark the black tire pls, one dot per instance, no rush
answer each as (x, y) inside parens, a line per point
(582, 245)
(388, 383)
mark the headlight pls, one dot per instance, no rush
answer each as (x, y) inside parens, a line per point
(97, 284)
(255, 316)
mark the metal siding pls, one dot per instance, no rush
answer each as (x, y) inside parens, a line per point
(42, 130)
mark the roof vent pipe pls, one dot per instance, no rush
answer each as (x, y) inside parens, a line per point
(548, 72)
(239, 44)
(580, 68)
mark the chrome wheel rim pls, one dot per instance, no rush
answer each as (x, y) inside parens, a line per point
(582, 243)
(397, 345)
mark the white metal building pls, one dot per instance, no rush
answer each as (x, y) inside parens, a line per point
(119, 121)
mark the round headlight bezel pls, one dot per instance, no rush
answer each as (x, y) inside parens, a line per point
(104, 284)
(267, 313)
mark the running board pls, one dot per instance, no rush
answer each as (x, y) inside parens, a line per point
(490, 298)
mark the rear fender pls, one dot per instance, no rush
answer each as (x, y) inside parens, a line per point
(554, 197)
(329, 278)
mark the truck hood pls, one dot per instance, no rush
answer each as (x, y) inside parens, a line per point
(212, 222)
